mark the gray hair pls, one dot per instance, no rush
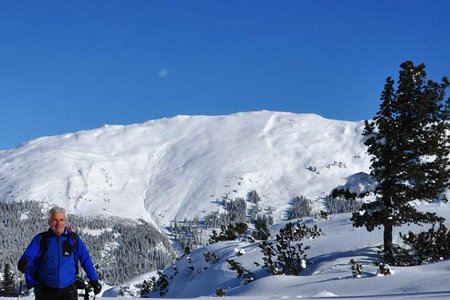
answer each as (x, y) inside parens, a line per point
(54, 210)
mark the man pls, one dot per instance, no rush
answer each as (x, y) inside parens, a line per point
(50, 262)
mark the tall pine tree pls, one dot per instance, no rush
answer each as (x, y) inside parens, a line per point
(409, 146)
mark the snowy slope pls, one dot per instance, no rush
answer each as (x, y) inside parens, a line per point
(327, 275)
(175, 168)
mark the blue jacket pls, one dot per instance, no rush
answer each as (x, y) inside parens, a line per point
(55, 267)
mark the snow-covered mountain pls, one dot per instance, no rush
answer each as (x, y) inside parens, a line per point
(175, 168)
(178, 167)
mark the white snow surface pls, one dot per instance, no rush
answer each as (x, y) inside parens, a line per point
(178, 167)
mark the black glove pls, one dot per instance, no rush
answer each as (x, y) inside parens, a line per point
(96, 286)
(79, 283)
(22, 266)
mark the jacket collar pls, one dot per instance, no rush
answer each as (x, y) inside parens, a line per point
(66, 231)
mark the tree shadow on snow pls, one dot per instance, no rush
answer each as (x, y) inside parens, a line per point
(339, 263)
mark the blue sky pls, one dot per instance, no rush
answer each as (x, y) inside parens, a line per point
(74, 65)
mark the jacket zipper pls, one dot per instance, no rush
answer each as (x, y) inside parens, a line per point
(59, 261)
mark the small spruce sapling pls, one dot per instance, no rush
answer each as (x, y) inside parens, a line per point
(228, 233)
(220, 292)
(211, 257)
(125, 291)
(162, 284)
(242, 272)
(191, 266)
(286, 255)
(357, 268)
(384, 269)
(323, 215)
(146, 286)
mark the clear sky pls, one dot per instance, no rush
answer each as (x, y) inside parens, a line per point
(74, 65)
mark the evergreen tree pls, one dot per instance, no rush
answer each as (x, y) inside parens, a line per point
(287, 255)
(228, 233)
(357, 269)
(409, 146)
(426, 246)
(242, 272)
(146, 287)
(8, 286)
(220, 292)
(301, 207)
(162, 284)
(261, 231)
(211, 257)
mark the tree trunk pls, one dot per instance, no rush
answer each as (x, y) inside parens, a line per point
(387, 236)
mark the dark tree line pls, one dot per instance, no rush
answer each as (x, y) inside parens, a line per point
(190, 233)
(340, 204)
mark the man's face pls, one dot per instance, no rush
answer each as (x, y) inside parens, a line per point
(58, 223)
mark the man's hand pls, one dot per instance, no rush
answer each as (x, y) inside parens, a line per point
(96, 286)
(22, 266)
